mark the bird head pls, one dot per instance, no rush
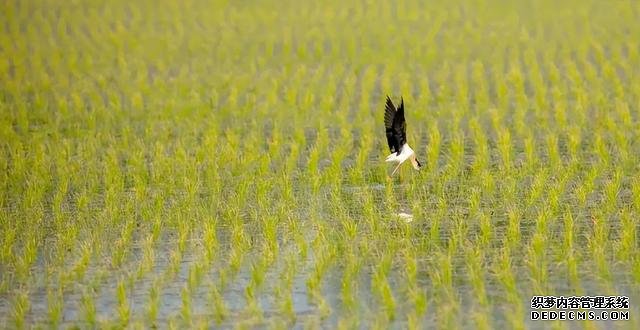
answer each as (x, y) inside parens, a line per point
(416, 164)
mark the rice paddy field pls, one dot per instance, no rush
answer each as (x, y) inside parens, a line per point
(220, 164)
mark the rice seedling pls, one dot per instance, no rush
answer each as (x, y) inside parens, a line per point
(153, 304)
(89, 311)
(185, 307)
(443, 281)
(124, 308)
(476, 278)
(416, 294)
(253, 308)
(148, 257)
(55, 306)
(20, 309)
(383, 289)
(283, 292)
(505, 275)
(627, 241)
(220, 309)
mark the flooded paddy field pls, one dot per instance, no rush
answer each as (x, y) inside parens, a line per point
(220, 164)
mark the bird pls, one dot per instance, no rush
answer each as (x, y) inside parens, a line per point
(396, 130)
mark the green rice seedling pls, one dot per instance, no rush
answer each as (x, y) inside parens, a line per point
(572, 264)
(569, 232)
(460, 78)
(537, 263)
(504, 145)
(258, 270)
(434, 230)
(537, 79)
(364, 150)
(627, 240)
(417, 294)
(635, 267)
(474, 257)
(88, 307)
(574, 138)
(270, 245)
(284, 289)
(324, 259)
(443, 282)
(433, 149)
(156, 228)
(236, 257)
(253, 309)
(301, 243)
(314, 279)
(23, 262)
(322, 140)
(148, 256)
(153, 305)
(418, 297)
(456, 153)
(600, 148)
(349, 283)
(380, 282)
(122, 245)
(124, 308)
(348, 322)
(598, 244)
(587, 186)
(612, 189)
(369, 212)
(8, 241)
(20, 308)
(486, 231)
(220, 310)
(504, 273)
(349, 227)
(478, 78)
(516, 80)
(552, 150)
(173, 323)
(635, 193)
(460, 230)
(55, 306)
(560, 188)
(185, 307)
(175, 258)
(58, 202)
(513, 227)
(80, 267)
(481, 151)
(210, 239)
(196, 273)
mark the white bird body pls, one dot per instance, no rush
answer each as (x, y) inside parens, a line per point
(405, 153)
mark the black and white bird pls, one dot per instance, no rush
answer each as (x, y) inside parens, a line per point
(396, 130)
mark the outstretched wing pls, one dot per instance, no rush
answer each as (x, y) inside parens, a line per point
(395, 126)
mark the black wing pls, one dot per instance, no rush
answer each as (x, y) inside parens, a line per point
(395, 126)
